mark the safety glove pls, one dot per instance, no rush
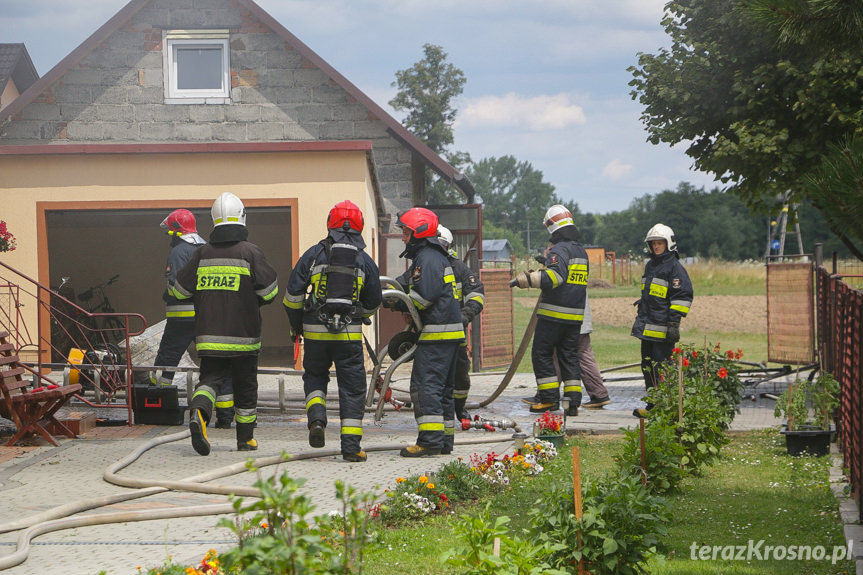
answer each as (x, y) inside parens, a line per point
(673, 333)
(527, 279)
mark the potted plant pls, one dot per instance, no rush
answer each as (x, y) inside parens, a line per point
(807, 407)
(549, 427)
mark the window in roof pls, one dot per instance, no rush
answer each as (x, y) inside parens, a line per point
(197, 67)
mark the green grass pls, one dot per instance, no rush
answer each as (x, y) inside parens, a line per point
(755, 491)
(614, 346)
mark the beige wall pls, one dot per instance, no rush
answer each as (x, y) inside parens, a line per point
(311, 181)
(10, 92)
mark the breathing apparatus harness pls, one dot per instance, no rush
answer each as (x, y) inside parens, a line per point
(335, 297)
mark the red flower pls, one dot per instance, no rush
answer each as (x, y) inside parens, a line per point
(739, 353)
(685, 362)
(694, 354)
(676, 350)
(722, 373)
(729, 354)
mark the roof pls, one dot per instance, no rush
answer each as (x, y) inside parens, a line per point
(495, 245)
(15, 64)
(394, 127)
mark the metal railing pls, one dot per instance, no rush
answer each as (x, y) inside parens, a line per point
(66, 332)
(840, 349)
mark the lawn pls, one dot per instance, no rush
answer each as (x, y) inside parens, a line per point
(754, 492)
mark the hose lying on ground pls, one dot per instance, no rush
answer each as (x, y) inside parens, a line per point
(57, 519)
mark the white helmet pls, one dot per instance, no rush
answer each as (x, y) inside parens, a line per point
(557, 217)
(662, 232)
(444, 236)
(228, 209)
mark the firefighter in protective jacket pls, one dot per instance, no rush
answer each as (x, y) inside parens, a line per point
(431, 285)
(228, 280)
(179, 331)
(559, 315)
(345, 291)
(666, 296)
(470, 294)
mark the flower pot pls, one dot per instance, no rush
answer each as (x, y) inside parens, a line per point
(556, 440)
(807, 439)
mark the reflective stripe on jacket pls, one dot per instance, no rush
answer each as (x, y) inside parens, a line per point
(431, 283)
(666, 296)
(564, 283)
(228, 281)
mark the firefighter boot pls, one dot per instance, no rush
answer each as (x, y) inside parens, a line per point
(460, 411)
(544, 405)
(419, 451)
(357, 457)
(245, 437)
(574, 403)
(198, 429)
(316, 434)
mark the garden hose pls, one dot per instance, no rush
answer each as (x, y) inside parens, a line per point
(57, 519)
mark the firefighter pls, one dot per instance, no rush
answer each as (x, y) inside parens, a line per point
(430, 283)
(345, 291)
(666, 296)
(228, 280)
(179, 330)
(470, 294)
(559, 315)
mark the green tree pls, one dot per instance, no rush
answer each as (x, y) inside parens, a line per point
(833, 28)
(515, 197)
(757, 113)
(426, 91)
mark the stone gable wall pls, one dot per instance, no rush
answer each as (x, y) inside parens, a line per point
(116, 95)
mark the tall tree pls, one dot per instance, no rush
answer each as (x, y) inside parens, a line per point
(515, 197)
(426, 91)
(758, 114)
(833, 28)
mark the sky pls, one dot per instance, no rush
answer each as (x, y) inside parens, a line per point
(547, 80)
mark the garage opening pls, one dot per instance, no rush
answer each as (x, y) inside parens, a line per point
(93, 246)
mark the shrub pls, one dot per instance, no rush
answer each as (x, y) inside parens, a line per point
(822, 394)
(476, 555)
(275, 536)
(663, 454)
(622, 526)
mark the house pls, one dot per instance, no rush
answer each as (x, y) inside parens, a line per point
(17, 72)
(496, 250)
(169, 104)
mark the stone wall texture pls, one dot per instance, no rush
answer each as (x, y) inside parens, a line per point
(116, 95)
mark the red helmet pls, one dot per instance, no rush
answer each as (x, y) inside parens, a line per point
(345, 212)
(421, 221)
(179, 222)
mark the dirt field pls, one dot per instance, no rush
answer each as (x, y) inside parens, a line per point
(708, 313)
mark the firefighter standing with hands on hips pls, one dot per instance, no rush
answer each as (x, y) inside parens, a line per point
(228, 280)
(470, 294)
(345, 290)
(559, 315)
(666, 296)
(431, 285)
(179, 331)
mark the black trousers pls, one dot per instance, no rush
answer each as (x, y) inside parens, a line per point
(351, 379)
(462, 379)
(561, 339)
(432, 381)
(176, 338)
(242, 370)
(653, 353)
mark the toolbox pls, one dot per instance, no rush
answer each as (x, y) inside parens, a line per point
(157, 405)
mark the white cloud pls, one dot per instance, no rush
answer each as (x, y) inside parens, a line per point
(615, 169)
(515, 111)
